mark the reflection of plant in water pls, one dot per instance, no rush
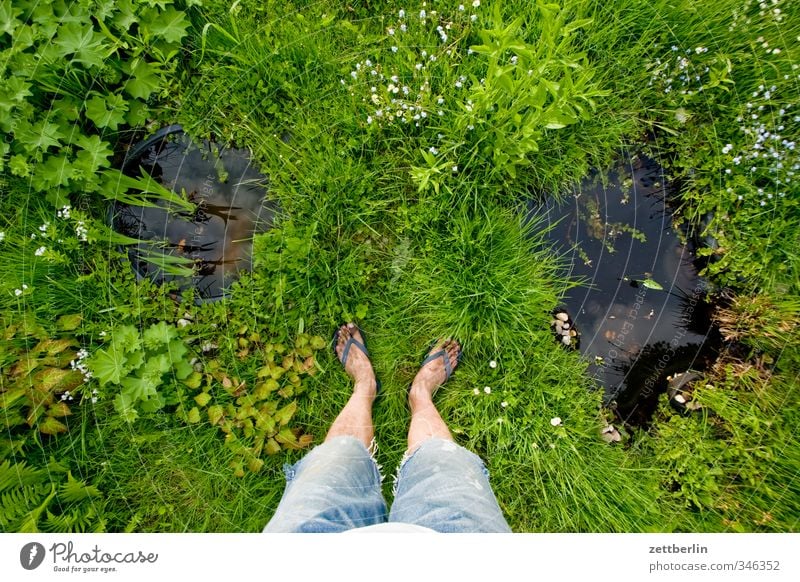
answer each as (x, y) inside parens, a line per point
(605, 232)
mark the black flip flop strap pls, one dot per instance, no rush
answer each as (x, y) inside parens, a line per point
(448, 369)
(347, 345)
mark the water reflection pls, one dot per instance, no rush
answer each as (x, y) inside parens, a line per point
(231, 205)
(642, 314)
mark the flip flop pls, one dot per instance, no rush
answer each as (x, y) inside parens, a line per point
(448, 369)
(346, 352)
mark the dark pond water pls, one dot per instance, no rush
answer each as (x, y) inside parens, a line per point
(641, 315)
(230, 205)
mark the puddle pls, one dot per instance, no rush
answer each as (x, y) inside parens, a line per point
(643, 316)
(230, 202)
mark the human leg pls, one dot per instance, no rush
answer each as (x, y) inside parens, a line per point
(337, 485)
(440, 484)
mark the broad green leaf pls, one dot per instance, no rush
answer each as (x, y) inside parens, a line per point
(271, 447)
(202, 399)
(57, 380)
(255, 464)
(82, 42)
(55, 171)
(183, 369)
(284, 415)
(51, 425)
(69, 322)
(143, 80)
(12, 91)
(286, 436)
(169, 24)
(193, 380)
(155, 367)
(153, 403)
(40, 136)
(176, 350)
(126, 337)
(137, 113)
(123, 404)
(108, 111)
(159, 334)
(19, 166)
(108, 365)
(651, 284)
(137, 388)
(96, 149)
(8, 18)
(193, 416)
(214, 414)
(125, 16)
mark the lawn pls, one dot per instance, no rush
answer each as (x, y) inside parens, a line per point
(402, 145)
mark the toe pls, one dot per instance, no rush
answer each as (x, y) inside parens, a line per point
(344, 335)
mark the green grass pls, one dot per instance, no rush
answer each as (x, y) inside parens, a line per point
(419, 232)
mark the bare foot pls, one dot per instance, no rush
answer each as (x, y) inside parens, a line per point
(357, 365)
(434, 374)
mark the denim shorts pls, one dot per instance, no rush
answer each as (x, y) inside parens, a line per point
(337, 487)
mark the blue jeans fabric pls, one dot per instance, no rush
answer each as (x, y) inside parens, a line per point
(337, 486)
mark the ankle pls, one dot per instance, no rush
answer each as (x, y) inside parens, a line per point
(367, 386)
(419, 396)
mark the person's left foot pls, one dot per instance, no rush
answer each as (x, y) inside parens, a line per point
(434, 373)
(357, 364)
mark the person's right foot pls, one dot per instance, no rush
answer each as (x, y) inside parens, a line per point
(358, 365)
(434, 374)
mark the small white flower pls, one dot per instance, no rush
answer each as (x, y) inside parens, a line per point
(514, 60)
(17, 292)
(390, 31)
(555, 421)
(459, 84)
(473, 17)
(43, 228)
(24, 286)
(94, 399)
(403, 28)
(33, 235)
(394, 49)
(476, 391)
(369, 119)
(422, 14)
(461, 8)
(433, 150)
(401, 14)
(40, 251)
(487, 389)
(455, 169)
(440, 100)
(476, 3)
(493, 364)
(2, 236)
(418, 66)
